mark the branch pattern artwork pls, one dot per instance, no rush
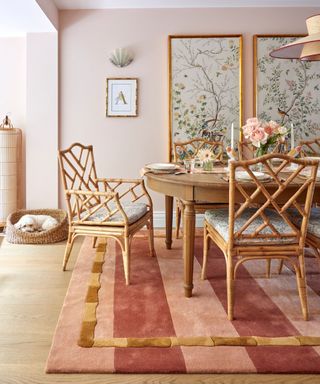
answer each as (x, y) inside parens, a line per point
(287, 91)
(205, 86)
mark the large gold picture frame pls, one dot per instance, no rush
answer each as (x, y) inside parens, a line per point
(286, 91)
(205, 87)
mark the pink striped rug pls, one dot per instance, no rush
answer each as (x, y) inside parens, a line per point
(153, 306)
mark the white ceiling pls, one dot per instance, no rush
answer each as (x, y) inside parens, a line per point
(105, 4)
(17, 17)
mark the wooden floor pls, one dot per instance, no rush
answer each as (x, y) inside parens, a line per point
(32, 289)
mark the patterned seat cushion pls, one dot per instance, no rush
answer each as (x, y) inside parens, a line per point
(134, 211)
(219, 220)
(314, 220)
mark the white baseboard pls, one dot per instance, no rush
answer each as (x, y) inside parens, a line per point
(159, 219)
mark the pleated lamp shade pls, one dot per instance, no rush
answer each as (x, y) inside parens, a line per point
(307, 48)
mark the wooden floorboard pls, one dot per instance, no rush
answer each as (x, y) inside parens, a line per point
(32, 289)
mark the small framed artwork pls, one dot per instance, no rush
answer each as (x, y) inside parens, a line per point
(286, 91)
(122, 97)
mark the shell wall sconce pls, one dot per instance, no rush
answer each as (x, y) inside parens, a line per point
(121, 57)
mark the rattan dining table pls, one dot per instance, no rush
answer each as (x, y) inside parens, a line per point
(208, 187)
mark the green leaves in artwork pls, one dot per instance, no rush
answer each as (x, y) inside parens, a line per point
(291, 86)
(205, 82)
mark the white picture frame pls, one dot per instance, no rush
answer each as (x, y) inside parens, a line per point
(121, 98)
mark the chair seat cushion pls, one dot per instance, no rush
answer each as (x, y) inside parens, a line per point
(219, 220)
(314, 220)
(134, 212)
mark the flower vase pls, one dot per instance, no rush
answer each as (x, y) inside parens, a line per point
(263, 150)
(208, 165)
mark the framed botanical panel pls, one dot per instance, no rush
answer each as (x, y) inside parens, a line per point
(122, 97)
(205, 77)
(286, 91)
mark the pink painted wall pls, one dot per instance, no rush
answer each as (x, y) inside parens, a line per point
(124, 145)
(13, 80)
(29, 92)
(13, 93)
(41, 135)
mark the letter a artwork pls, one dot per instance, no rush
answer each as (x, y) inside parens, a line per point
(120, 99)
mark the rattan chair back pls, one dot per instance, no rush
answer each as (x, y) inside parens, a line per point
(78, 167)
(311, 147)
(187, 150)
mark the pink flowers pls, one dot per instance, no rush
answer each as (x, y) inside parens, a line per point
(261, 133)
(259, 136)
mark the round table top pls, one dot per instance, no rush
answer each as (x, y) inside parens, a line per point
(214, 187)
(193, 179)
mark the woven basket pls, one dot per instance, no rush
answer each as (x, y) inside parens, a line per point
(58, 233)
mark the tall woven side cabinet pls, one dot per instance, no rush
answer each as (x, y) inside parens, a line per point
(10, 169)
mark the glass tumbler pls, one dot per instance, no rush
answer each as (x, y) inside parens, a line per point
(189, 165)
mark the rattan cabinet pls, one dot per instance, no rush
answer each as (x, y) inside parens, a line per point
(10, 171)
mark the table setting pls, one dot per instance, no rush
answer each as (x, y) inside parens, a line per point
(264, 137)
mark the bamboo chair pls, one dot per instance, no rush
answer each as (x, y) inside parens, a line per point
(311, 147)
(188, 150)
(261, 227)
(313, 232)
(100, 207)
(246, 150)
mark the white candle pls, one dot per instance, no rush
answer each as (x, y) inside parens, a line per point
(292, 137)
(232, 137)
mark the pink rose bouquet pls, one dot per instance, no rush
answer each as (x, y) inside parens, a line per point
(263, 134)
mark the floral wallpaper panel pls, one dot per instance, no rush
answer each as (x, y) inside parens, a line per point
(287, 91)
(205, 92)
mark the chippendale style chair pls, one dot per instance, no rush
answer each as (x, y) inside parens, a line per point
(313, 232)
(311, 147)
(246, 150)
(188, 150)
(261, 227)
(100, 207)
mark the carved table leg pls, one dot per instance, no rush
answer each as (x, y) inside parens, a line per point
(169, 208)
(188, 246)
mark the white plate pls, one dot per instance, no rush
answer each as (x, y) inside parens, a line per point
(243, 175)
(162, 166)
(308, 174)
